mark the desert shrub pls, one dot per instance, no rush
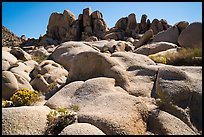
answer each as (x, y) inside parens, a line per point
(7, 103)
(24, 97)
(186, 56)
(158, 59)
(58, 119)
(75, 107)
(39, 58)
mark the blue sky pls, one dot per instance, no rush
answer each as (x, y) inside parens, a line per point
(31, 18)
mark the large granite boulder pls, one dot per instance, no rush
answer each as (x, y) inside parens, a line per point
(191, 36)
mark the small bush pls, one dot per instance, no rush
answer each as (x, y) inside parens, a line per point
(58, 120)
(39, 58)
(7, 103)
(158, 59)
(186, 56)
(24, 97)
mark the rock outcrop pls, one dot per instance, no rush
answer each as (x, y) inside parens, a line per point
(106, 76)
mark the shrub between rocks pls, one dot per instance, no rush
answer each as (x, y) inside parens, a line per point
(23, 97)
(58, 120)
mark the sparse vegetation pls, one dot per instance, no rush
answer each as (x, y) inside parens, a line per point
(184, 56)
(39, 58)
(158, 59)
(24, 97)
(58, 119)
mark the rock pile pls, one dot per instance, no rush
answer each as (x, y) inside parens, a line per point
(108, 77)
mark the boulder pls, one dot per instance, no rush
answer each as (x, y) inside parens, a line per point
(22, 82)
(61, 99)
(9, 84)
(9, 58)
(122, 23)
(94, 65)
(96, 15)
(191, 36)
(155, 47)
(173, 87)
(143, 24)
(65, 53)
(154, 26)
(170, 35)
(53, 73)
(116, 114)
(127, 60)
(99, 28)
(81, 129)
(23, 70)
(87, 17)
(131, 24)
(144, 39)
(5, 65)
(141, 72)
(163, 123)
(20, 54)
(25, 120)
(181, 25)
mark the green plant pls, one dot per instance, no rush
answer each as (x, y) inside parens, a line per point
(24, 97)
(158, 59)
(7, 103)
(75, 107)
(58, 119)
(186, 56)
(39, 58)
(39, 75)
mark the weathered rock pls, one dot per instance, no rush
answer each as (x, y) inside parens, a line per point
(94, 65)
(112, 35)
(65, 53)
(131, 24)
(20, 53)
(22, 70)
(81, 129)
(163, 123)
(181, 25)
(5, 65)
(40, 52)
(7, 57)
(141, 72)
(22, 82)
(99, 28)
(170, 35)
(144, 39)
(25, 120)
(173, 89)
(87, 17)
(154, 26)
(154, 48)
(61, 99)
(143, 24)
(9, 84)
(127, 60)
(96, 15)
(91, 39)
(122, 23)
(191, 36)
(130, 39)
(59, 24)
(81, 93)
(45, 40)
(108, 111)
(53, 73)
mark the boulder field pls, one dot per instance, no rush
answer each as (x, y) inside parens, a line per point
(107, 74)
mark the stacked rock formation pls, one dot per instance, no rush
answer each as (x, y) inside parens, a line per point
(108, 76)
